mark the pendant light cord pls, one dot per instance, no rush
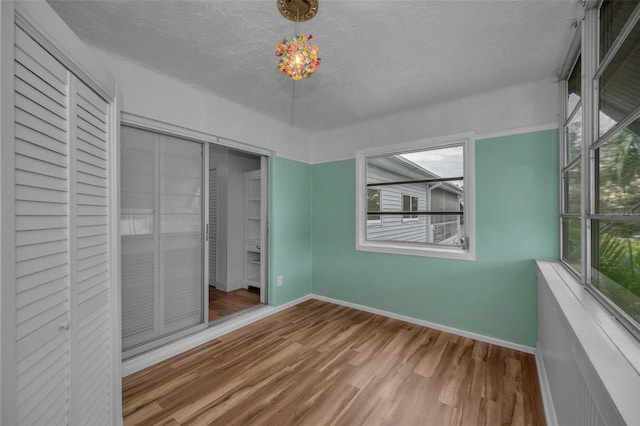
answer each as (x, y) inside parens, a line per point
(293, 92)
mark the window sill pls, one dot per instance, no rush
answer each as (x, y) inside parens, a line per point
(453, 253)
(611, 349)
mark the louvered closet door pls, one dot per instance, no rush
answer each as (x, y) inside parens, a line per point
(91, 316)
(42, 185)
(63, 327)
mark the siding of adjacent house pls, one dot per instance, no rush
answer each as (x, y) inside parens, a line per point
(393, 228)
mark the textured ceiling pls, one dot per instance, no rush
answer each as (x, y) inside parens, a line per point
(378, 57)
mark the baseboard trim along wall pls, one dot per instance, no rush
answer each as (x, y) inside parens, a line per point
(148, 359)
(452, 330)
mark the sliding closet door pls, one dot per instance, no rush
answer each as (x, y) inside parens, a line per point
(162, 211)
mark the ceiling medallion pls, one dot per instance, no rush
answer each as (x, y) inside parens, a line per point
(298, 10)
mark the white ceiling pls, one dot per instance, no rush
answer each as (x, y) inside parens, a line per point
(378, 57)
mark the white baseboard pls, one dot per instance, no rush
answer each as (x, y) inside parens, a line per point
(545, 390)
(162, 353)
(452, 330)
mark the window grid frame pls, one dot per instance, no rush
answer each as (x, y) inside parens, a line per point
(592, 70)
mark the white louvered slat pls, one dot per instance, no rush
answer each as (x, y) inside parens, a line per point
(56, 73)
(34, 280)
(45, 171)
(42, 233)
(32, 266)
(53, 309)
(91, 124)
(35, 123)
(91, 231)
(95, 161)
(36, 152)
(36, 108)
(46, 195)
(40, 292)
(86, 96)
(27, 223)
(40, 208)
(54, 352)
(31, 87)
(35, 251)
(39, 236)
(87, 189)
(85, 147)
(41, 139)
(88, 109)
(44, 393)
(90, 169)
(91, 180)
(91, 139)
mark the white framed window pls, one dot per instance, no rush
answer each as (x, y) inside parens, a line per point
(374, 203)
(429, 198)
(600, 159)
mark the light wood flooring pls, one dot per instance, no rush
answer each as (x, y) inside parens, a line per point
(222, 303)
(319, 364)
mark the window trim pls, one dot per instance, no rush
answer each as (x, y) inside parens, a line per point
(469, 252)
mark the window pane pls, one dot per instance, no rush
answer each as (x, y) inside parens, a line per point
(618, 173)
(373, 203)
(619, 84)
(573, 137)
(574, 87)
(443, 162)
(616, 263)
(613, 16)
(415, 182)
(572, 190)
(571, 242)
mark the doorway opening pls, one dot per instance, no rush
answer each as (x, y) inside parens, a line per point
(237, 231)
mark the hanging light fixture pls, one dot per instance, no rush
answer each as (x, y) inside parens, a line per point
(298, 57)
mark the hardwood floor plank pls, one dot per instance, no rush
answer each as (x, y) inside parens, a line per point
(319, 364)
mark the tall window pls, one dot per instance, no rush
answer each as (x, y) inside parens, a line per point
(604, 124)
(417, 198)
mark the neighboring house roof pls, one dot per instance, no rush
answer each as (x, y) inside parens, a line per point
(409, 170)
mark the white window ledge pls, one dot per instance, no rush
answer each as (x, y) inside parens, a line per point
(611, 349)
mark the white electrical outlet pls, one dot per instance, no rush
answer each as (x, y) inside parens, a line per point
(279, 280)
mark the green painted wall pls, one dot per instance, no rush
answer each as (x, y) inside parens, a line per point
(516, 222)
(289, 229)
